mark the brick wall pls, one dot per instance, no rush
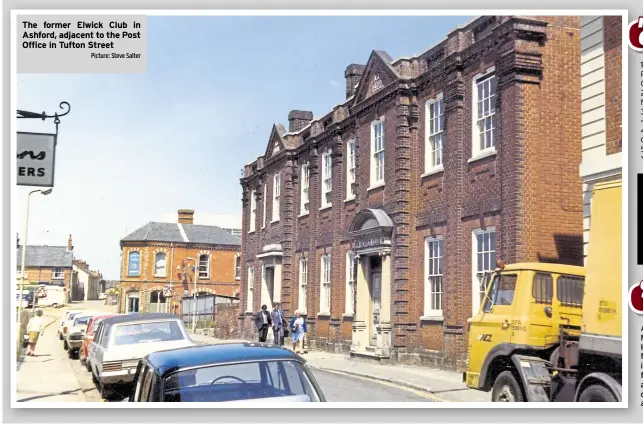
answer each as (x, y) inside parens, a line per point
(613, 34)
(527, 190)
(221, 278)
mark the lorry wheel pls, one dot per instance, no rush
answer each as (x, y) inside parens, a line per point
(596, 393)
(506, 388)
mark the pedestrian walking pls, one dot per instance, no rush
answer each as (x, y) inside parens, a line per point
(298, 325)
(263, 322)
(35, 329)
(278, 323)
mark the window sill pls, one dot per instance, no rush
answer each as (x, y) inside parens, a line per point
(62, 278)
(160, 276)
(301, 215)
(323, 314)
(347, 315)
(376, 186)
(251, 232)
(323, 208)
(432, 318)
(204, 278)
(349, 199)
(237, 278)
(483, 154)
(436, 170)
(274, 222)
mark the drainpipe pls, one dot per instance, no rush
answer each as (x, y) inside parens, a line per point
(171, 270)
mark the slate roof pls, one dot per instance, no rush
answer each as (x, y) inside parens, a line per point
(170, 232)
(46, 256)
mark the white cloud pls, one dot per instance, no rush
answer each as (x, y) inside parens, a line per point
(335, 83)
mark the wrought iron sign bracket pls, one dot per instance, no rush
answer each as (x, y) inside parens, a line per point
(25, 114)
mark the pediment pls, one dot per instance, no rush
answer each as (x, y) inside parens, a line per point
(378, 74)
(276, 141)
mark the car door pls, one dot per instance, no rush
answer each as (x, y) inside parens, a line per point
(101, 347)
(493, 324)
(94, 343)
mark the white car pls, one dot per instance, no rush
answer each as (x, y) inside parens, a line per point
(76, 333)
(65, 318)
(120, 342)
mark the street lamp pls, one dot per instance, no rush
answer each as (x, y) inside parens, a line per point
(195, 280)
(24, 255)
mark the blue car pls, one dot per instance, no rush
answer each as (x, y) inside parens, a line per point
(229, 372)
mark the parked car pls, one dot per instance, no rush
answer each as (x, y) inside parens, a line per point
(120, 342)
(65, 319)
(89, 336)
(229, 372)
(76, 333)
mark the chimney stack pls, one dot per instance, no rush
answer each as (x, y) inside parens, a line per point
(70, 246)
(186, 216)
(353, 74)
(298, 119)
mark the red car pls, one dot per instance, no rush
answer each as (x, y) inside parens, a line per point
(89, 336)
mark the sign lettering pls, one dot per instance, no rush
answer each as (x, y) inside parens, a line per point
(36, 153)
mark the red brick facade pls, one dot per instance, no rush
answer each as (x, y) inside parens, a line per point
(526, 187)
(613, 27)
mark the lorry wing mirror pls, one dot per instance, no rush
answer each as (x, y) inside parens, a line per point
(548, 311)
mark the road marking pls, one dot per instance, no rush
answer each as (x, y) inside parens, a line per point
(389, 384)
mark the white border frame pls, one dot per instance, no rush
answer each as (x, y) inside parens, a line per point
(317, 12)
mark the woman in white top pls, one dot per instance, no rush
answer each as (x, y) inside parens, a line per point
(34, 331)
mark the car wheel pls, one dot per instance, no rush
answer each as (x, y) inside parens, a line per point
(94, 378)
(106, 392)
(597, 393)
(60, 336)
(88, 366)
(506, 389)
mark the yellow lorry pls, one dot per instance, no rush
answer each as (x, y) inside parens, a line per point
(551, 332)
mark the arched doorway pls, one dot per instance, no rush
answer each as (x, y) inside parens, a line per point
(371, 232)
(132, 299)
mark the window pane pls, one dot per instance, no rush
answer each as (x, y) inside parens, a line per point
(480, 262)
(493, 240)
(485, 240)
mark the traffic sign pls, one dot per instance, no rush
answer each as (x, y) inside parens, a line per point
(168, 292)
(41, 292)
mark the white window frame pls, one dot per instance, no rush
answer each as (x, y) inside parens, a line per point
(378, 153)
(57, 273)
(482, 117)
(237, 267)
(350, 283)
(250, 289)
(327, 180)
(265, 204)
(351, 169)
(434, 135)
(303, 285)
(325, 284)
(476, 293)
(253, 212)
(433, 277)
(156, 265)
(305, 189)
(276, 196)
(207, 270)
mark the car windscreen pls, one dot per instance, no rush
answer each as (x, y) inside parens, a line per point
(147, 332)
(81, 320)
(240, 382)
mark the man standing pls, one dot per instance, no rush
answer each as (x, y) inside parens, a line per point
(262, 322)
(278, 323)
(34, 330)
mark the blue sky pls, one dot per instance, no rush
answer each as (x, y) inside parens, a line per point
(135, 148)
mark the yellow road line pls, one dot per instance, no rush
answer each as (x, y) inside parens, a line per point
(389, 384)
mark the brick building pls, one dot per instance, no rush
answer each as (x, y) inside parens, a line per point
(601, 106)
(162, 254)
(377, 219)
(46, 266)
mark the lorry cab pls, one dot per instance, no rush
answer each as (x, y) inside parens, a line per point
(525, 309)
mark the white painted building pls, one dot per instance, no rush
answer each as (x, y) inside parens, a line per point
(88, 282)
(598, 107)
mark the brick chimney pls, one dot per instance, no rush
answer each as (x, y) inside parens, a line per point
(186, 216)
(298, 119)
(353, 74)
(70, 246)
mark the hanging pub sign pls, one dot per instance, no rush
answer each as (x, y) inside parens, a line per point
(36, 159)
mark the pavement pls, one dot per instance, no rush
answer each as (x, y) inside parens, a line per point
(35, 376)
(437, 385)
